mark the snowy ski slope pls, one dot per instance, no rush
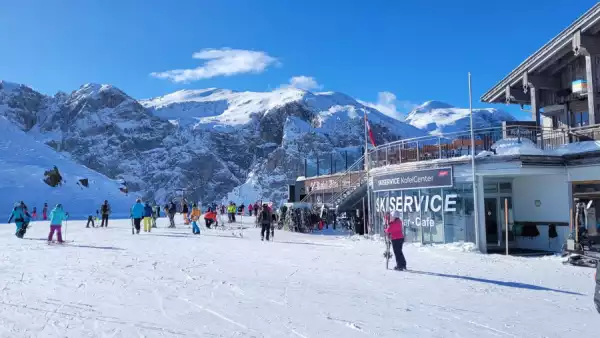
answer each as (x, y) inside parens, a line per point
(169, 283)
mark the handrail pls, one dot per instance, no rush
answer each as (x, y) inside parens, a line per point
(352, 168)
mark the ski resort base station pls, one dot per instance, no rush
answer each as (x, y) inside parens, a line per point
(531, 182)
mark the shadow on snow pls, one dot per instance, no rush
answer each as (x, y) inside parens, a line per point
(496, 282)
(76, 245)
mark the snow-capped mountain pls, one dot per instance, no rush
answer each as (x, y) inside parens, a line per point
(211, 144)
(441, 118)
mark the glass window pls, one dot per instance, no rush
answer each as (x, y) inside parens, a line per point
(411, 217)
(490, 187)
(432, 219)
(505, 187)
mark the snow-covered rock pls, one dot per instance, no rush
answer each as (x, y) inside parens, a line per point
(441, 118)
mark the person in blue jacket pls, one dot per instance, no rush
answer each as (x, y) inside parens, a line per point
(18, 215)
(57, 216)
(147, 217)
(137, 213)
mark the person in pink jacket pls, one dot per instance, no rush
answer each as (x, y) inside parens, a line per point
(396, 233)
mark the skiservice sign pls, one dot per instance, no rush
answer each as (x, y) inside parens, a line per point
(430, 178)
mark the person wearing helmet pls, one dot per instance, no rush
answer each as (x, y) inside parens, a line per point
(57, 216)
(18, 215)
(137, 213)
(195, 216)
(396, 233)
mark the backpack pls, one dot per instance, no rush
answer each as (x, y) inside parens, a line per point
(104, 208)
(265, 216)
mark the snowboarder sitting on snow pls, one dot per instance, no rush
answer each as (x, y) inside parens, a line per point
(147, 217)
(195, 216)
(210, 217)
(18, 215)
(396, 233)
(57, 216)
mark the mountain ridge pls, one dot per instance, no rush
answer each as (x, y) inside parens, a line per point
(213, 143)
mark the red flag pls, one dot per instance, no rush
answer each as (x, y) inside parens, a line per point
(369, 131)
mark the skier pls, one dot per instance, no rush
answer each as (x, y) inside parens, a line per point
(195, 216)
(18, 215)
(137, 213)
(147, 217)
(394, 230)
(45, 212)
(57, 216)
(171, 211)
(210, 217)
(250, 209)
(90, 220)
(105, 210)
(265, 222)
(185, 212)
(273, 222)
(256, 207)
(34, 214)
(231, 212)
(155, 214)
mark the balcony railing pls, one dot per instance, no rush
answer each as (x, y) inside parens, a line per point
(454, 145)
(449, 146)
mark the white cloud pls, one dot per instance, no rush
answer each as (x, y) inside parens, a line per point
(389, 104)
(220, 62)
(304, 82)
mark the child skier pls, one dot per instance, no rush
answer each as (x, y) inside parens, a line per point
(396, 233)
(45, 212)
(195, 216)
(57, 216)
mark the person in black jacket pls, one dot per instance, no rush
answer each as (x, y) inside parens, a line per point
(264, 219)
(105, 211)
(171, 214)
(185, 211)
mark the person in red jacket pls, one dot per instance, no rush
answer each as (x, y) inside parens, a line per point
(396, 233)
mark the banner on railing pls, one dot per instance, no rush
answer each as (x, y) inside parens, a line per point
(429, 178)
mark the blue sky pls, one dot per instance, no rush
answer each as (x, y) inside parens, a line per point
(416, 50)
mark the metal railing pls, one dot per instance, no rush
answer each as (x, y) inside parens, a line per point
(455, 145)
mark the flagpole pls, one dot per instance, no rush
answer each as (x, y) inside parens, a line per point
(367, 176)
(474, 177)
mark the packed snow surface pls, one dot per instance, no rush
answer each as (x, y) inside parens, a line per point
(170, 283)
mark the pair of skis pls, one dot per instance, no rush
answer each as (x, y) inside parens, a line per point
(387, 254)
